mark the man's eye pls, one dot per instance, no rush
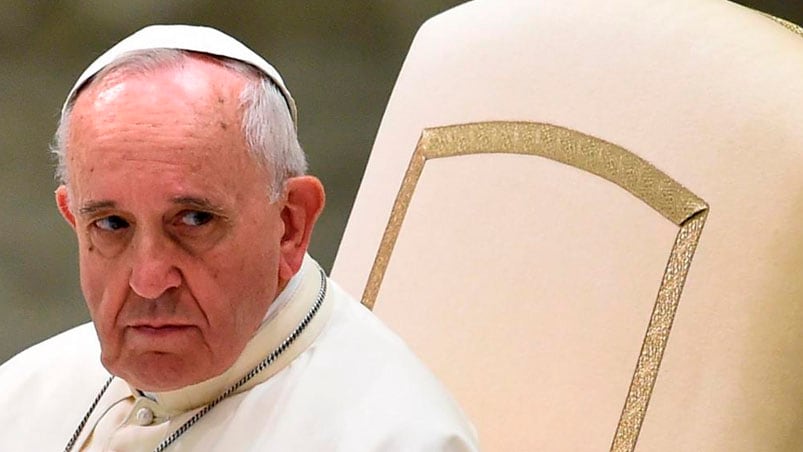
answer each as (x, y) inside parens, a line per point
(111, 223)
(195, 218)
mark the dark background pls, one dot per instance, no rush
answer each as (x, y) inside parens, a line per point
(339, 59)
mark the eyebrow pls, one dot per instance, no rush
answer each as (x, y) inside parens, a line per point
(91, 207)
(197, 203)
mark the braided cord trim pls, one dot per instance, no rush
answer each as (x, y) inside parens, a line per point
(77, 433)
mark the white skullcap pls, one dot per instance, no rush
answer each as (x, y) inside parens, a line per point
(191, 38)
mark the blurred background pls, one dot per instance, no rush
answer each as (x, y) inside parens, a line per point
(339, 59)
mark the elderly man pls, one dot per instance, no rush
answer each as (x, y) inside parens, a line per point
(184, 182)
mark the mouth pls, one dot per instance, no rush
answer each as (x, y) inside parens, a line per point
(159, 328)
(157, 323)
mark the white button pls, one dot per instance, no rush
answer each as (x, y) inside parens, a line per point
(144, 416)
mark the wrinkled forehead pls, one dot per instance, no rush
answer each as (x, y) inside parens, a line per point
(178, 119)
(196, 39)
(147, 64)
(152, 79)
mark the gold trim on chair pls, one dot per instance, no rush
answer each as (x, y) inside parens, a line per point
(791, 26)
(595, 156)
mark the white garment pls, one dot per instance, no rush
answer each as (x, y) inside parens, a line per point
(346, 384)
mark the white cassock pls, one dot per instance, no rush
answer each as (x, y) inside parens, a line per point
(346, 383)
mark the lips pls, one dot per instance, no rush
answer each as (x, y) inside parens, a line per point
(159, 328)
(157, 324)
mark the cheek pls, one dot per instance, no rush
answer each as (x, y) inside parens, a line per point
(253, 252)
(101, 283)
(247, 276)
(91, 274)
(244, 280)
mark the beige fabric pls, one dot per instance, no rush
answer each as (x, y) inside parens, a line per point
(528, 285)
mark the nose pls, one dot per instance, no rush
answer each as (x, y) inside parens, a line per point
(153, 268)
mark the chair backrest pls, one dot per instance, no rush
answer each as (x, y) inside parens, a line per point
(558, 185)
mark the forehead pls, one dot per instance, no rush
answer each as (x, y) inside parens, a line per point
(162, 125)
(175, 106)
(166, 74)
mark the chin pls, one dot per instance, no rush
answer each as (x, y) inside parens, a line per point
(158, 371)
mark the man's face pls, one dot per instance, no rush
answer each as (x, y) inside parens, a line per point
(180, 249)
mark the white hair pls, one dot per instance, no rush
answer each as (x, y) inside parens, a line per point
(267, 125)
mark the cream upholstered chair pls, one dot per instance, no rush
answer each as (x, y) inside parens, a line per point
(558, 185)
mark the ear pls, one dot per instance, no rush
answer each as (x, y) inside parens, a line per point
(63, 203)
(304, 200)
